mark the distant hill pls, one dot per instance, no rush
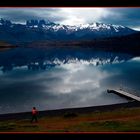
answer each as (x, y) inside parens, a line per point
(125, 44)
(5, 46)
(42, 33)
(41, 30)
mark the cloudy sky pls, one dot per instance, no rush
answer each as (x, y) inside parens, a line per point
(129, 17)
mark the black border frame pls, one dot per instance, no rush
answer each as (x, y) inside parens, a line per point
(70, 3)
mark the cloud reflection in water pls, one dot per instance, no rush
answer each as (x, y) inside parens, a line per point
(64, 86)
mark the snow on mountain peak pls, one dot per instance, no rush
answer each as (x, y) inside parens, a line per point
(45, 29)
(95, 26)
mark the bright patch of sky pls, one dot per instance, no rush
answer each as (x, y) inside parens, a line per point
(73, 16)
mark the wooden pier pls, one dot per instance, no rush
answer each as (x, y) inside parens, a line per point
(124, 94)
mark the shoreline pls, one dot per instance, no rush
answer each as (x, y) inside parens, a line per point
(79, 110)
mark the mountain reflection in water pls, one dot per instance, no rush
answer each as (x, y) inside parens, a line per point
(63, 79)
(36, 59)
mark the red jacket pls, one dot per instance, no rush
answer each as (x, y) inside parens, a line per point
(34, 111)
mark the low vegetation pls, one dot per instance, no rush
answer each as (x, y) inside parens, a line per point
(119, 120)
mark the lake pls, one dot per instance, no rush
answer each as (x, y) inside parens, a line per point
(56, 80)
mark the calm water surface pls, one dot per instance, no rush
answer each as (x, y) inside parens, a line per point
(75, 83)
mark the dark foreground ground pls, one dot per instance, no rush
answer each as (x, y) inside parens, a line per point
(124, 117)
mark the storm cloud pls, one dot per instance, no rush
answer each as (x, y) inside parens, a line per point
(123, 16)
(20, 15)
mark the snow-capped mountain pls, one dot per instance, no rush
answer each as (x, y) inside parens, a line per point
(37, 30)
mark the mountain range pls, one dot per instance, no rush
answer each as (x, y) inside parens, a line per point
(41, 30)
(46, 44)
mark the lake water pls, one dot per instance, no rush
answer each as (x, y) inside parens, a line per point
(77, 82)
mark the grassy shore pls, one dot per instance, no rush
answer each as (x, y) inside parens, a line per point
(119, 119)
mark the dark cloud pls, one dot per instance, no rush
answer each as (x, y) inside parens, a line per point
(123, 16)
(22, 14)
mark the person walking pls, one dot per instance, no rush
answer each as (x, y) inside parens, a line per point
(34, 114)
